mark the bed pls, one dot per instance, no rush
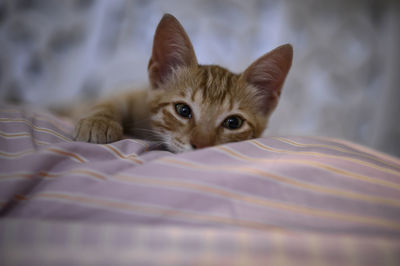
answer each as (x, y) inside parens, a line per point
(284, 200)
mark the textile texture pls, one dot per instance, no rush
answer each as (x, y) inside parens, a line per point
(268, 201)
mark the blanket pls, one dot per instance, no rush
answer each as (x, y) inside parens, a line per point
(283, 200)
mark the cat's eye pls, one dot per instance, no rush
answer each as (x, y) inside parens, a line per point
(183, 110)
(233, 122)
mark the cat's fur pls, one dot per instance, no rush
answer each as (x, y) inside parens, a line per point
(212, 92)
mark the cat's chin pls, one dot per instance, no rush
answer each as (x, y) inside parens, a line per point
(178, 148)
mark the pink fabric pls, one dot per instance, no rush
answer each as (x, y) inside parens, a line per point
(304, 198)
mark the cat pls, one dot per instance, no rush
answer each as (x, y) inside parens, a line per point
(190, 106)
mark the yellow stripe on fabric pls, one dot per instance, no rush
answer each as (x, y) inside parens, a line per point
(362, 148)
(36, 128)
(14, 135)
(13, 155)
(299, 184)
(18, 135)
(140, 142)
(318, 154)
(85, 172)
(260, 201)
(64, 129)
(13, 175)
(314, 164)
(119, 154)
(40, 117)
(72, 155)
(153, 210)
(332, 147)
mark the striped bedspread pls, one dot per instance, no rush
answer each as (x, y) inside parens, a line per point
(268, 201)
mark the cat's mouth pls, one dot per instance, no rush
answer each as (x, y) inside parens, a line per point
(177, 146)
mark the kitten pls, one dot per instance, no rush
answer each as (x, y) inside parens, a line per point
(190, 106)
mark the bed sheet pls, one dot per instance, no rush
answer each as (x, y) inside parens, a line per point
(284, 200)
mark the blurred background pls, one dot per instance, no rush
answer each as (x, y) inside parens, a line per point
(344, 82)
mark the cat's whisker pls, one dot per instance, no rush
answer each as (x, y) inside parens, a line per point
(151, 132)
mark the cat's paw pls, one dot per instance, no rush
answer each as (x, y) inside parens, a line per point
(98, 130)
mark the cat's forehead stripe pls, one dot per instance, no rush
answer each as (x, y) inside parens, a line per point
(156, 107)
(194, 93)
(182, 93)
(216, 84)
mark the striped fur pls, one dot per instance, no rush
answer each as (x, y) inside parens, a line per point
(213, 94)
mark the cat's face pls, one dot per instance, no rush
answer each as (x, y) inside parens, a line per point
(195, 106)
(205, 106)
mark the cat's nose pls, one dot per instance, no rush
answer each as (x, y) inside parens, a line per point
(199, 144)
(202, 138)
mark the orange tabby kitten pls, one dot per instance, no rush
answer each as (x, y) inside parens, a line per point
(191, 106)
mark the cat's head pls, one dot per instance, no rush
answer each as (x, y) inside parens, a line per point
(196, 106)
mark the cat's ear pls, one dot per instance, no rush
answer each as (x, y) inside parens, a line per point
(267, 74)
(171, 49)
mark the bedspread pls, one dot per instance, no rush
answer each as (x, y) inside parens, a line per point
(268, 201)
